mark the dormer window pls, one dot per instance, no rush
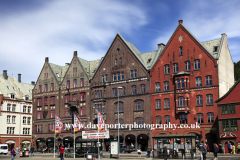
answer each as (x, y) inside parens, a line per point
(57, 75)
(13, 88)
(7, 87)
(215, 48)
(19, 89)
(149, 60)
(12, 96)
(26, 98)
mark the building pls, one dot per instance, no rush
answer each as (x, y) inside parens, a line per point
(186, 79)
(123, 79)
(229, 117)
(15, 111)
(62, 91)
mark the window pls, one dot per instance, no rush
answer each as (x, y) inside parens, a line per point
(114, 76)
(183, 119)
(200, 118)
(115, 61)
(74, 83)
(208, 80)
(175, 67)
(180, 51)
(82, 96)
(75, 70)
(14, 108)
(131, 74)
(187, 66)
(181, 102)
(120, 121)
(138, 105)
(52, 100)
(215, 48)
(197, 64)
(24, 109)
(82, 111)
(228, 109)
(46, 75)
(52, 113)
(68, 84)
(158, 103)
(67, 98)
(82, 82)
(45, 101)
(10, 130)
(29, 109)
(39, 102)
(8, 107)
(13, 119)
(67, 112)
(46, 88)
(26, 98)
(139, 121)
(123, 91)
(166, 69)
(114, 92)
(120, 107)
(134, 90)
(182, 83)
(199, 100)
(142, 88)
(178, 84)
(166, 103)
(99, 107)
(199, 82)
(118, 76)
(100, 94)
(103, 78)
(39, 115)
(210, 117)
(158, 120)
(157, 87)
(135, 73)
(209, 99)
(12, 96)
(29, 120)
(40, 89)
(166, 86)
(120, 61)
(122, 75)
(167, 119)
(24, 120)
(8, 119)
(106, 77)
(229, 125)
(74, 97)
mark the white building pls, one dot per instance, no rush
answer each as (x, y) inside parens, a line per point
(15, 111)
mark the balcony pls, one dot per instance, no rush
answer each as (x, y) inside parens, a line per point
(182, 109)
(99, 84)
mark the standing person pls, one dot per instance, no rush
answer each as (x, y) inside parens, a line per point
(31, 150)
(139, 153)
(238, 147)
(233, 151)
(208, 149)
(12, 154)
(153, 153)
(148, 151)
(228, 147)
(201, 149)
(231, 148)
(165, 152)
(109, 148)
(215, 151)
(61, 152)
(17, 149)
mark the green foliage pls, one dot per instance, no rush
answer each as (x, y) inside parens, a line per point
(237, 70)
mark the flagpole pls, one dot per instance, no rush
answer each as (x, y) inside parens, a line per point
(74, 143)
(98, 136)
(54, 137)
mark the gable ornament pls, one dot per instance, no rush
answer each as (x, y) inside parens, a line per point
(180, 38)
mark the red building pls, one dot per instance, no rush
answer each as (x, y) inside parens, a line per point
(185, 81)
(229, 117)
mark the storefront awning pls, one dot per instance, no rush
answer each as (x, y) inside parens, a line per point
(12, 141)
(25, 142)
(175, 135)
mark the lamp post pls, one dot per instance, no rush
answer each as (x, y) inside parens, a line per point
(118, 122)
(20, 127)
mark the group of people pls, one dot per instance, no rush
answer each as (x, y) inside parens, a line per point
(13, 152)
(231, 148)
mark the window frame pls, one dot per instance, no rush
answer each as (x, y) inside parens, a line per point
(197, 64)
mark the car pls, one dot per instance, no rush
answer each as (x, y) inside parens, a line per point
(3, 149)
(124, 149)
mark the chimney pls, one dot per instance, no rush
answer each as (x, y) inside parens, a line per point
(46, 59)
(180, 21)
(5, 76)
(32, 82)
(75, 54)
(161, 45)
(19, 77)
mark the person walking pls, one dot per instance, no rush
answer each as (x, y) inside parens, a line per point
(148, 151)
(228, 147)
(31, 150)
(17, 149)
(61, 152)
(12, 154)
(233, 149)
(139, 153)
(215, 151)
(165, 152)
(201, 149)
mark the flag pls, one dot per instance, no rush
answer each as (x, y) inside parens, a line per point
(101, 122)
(58, 125)
(76, 123)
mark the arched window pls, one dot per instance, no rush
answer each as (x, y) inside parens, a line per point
(208, 80)
(181, 102)
(120, 106)
(199, 100)
(138, 105)
(198, 81)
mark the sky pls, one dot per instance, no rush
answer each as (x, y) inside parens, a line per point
(32, 30)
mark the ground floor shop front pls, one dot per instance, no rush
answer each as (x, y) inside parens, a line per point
(13, 142)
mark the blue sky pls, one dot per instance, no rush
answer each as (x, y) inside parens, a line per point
(32, 30)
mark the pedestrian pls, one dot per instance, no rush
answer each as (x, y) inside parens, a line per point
(17, 149)
(139, 153)
(233, 149)
(238, 147)
(153, 153)
(12, 154)
(148, 151)
(215, 151)
(31, 150)
(61, 152)
(228, 147)
(165, 152)
(201, 149)
(109, 148)
(204, 152)
(208, 149)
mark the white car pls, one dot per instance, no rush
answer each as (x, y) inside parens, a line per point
(3, 149)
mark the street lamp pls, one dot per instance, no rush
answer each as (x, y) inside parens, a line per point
(20, 128)
(118, 122)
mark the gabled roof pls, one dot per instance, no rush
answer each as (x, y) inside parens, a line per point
(209, 45)
(58, 71)
(11, 85)
(230, 90)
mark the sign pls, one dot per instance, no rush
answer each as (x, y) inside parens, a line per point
(95, 134)
(114, 147)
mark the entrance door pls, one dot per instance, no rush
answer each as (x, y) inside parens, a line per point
(226, 151)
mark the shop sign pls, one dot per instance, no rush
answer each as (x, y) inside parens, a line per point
(95, 134)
